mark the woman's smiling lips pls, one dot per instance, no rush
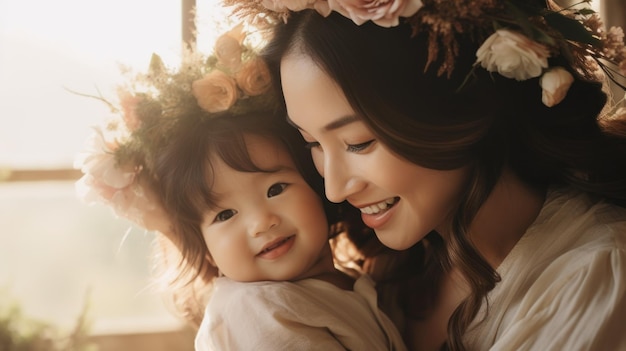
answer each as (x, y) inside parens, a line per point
(277, 248)
(377, 214)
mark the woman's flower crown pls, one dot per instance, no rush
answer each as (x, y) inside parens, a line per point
(517, 36)
(119, 156)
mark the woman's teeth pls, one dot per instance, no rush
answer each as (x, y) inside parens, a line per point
(381, 206)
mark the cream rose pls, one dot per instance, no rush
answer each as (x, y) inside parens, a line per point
(215, 92)
(554, 84)
(513, 55)
(253, 77)
(385, 13)
(321, 6)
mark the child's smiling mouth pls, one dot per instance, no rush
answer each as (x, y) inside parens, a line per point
(277, 248)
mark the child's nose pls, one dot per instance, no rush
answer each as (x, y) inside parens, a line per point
(262, 221)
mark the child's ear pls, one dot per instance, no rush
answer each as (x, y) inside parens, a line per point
(210, 259)
(216, 269)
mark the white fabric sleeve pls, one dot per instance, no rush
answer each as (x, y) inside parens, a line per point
(573, 308)
(260, 319)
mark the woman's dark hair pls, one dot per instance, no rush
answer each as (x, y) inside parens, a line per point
(469, 119)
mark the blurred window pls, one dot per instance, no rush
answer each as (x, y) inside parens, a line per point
(56, 254)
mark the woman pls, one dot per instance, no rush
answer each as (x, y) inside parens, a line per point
(508, 191)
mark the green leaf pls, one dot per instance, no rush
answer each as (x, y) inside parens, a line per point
(571, 29)
(156, 64)
(586, 11)
(520, 17)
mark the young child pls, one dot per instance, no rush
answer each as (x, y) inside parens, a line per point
(210, 163)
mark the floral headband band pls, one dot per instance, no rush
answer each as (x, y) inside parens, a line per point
(523, 36)
(119, 155)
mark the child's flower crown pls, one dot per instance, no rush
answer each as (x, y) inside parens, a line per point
(518, 36)
(119, 156)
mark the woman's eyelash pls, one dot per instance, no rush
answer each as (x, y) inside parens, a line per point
(359, 147)
(311, 145)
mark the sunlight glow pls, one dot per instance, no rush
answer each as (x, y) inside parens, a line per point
(50, 46)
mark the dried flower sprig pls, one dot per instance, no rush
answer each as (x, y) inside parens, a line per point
(120, 155)
(518, 36)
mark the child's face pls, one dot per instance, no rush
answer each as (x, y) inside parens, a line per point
(269, 226)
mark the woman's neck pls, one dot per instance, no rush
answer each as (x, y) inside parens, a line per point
(503, 219)
(505, 216)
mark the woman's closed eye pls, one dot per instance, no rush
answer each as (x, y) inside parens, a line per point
(312, 145)
(224, 215)
(276, 189)
(359, 147)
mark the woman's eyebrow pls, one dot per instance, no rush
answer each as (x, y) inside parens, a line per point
(336, 124)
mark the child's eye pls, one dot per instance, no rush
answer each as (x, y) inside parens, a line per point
(359, 147)
(276, 189)
(224, 215)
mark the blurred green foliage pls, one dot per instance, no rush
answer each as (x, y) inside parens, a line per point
(19, 332)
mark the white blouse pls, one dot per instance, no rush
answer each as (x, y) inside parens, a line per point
(305, 315)
(563, 285)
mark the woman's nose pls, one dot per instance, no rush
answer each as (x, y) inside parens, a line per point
(261, 221)
(339, 182)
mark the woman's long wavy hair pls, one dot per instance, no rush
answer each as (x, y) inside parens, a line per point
(485, 123)
(182, 179)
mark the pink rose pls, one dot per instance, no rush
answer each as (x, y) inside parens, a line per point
(129, 103)
(385, 13)
(513, 55)
(105, 181)
(253, 77)
(554, 84)
(215, 92)
(102, 177)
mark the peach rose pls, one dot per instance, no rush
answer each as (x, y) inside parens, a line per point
(228, 51)
(554, 84)
(215, 92)
(385, 13)
(253, 77)
(513, 55)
